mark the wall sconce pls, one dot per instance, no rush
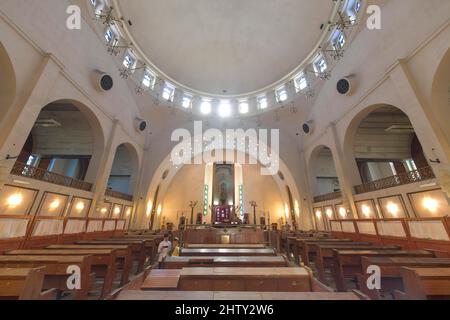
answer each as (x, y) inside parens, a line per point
(319, 214)
(430, 204)
(393, 209)
(297, 208)
(286, 211)
(159, 210)
(104, 210)
(342, 212)
(149, 208)
(329, 213)
(55, 204)
(117, 211)
(128, 212)
(366, 210)
(80, 206)
(14, 200)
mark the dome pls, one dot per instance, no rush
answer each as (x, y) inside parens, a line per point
(225, 47)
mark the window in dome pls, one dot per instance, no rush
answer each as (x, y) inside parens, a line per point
(281, 94)
(205, 107)
(243, 107)
(262, 102)
(353, 8)
(224, 108)
(129, 60)
(187, 102)
(320, 65)
(300, 82)
(168, 92)
(93, 2)
(149, 79)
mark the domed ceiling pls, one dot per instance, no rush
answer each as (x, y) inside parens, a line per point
(225, 47)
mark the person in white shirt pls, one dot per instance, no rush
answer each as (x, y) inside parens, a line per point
(164, 248)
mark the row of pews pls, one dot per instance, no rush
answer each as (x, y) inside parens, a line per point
(347, 264)
(77, 270)
(231, 272)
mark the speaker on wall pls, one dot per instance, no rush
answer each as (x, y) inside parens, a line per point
(345, 86)
(103, 81)
(140, 124)
(308, 127)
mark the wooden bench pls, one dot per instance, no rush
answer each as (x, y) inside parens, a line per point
(227, 252)
(347, 263)
(56, 270)
(103, 262)
(226, 261)
(324, 256)
(225, 246)
(123, 255)
(300, 245)
(138, 250)
(162, 279)
(24, 284)
(241, 279)
(390, 268)
(425, 283)
(230, 295)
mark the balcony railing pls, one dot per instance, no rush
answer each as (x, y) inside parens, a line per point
(398, 180)
(119, 195)
(328, 197)
(21, 169)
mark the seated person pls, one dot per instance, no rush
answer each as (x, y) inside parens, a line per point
(164, 248)
(176, 248)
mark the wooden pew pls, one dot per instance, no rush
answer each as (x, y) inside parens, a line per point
(324, 257)
(123, 255)
(233, 295)
(291, 239)
(227, 261)
(103, 262)
(347, 263)
(56, 270)
(24, 284)
(227, 252)
(300, 247)
(225, 246)
(151, 245)
(390, 268)
(425, 283)
(138, 249)
(235, 279)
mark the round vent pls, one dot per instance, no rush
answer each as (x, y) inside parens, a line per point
(103, 82)
(106, 82)
(140, 124)
(344, 86)
(308, 127)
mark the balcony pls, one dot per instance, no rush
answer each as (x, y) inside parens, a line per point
(328, 197)
(119, 195)
(21, 169)
(419, 175)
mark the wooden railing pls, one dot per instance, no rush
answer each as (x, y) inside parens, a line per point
(119, 195)
(410, 233)
(21, 169)
(328, 196)
(398, 180)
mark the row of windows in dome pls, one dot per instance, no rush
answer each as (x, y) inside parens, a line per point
(300, 81)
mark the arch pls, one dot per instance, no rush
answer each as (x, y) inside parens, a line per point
(125, 169)
(56, 126)
(166, 164)
(7, 82)
(323, 175)
(369, 125)
(440, 94)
